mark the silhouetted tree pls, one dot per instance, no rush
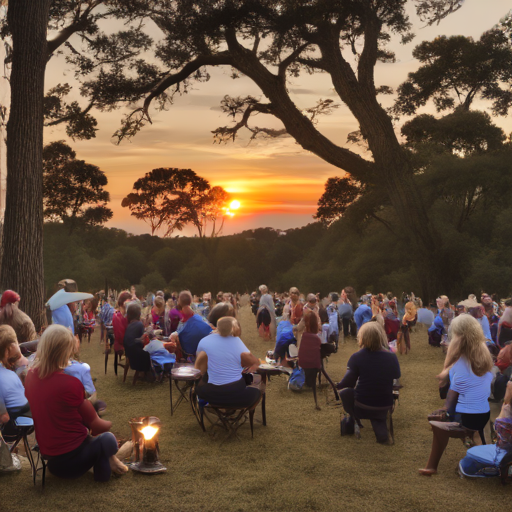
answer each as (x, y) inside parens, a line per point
(73, 190)
(174, 198)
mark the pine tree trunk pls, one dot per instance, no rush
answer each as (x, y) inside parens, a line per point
(22, 264)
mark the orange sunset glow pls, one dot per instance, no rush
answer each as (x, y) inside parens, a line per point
(276, 182)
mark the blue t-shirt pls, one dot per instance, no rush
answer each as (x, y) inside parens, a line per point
(484, 323)
(224, 365)
(82, 371)
(362, 315)
(473, 391)
(63, 316)
(12, 392)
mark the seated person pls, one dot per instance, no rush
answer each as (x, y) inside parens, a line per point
(436, 332)
(310, 358)
(362, 314)
(193, 328)
(11, 314)
(222, 357)
(485, 460)
(156, 316)
(82, 371)
(63, 417)
(12, 393)
(367, 387)
(468, 367)
(133, 345)
(220, 310)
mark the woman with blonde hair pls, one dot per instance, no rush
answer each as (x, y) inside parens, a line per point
(69, 432)
(367, 387)
(467, 368)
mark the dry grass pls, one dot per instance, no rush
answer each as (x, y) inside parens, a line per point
(298, 462)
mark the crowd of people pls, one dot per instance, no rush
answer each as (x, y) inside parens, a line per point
(54, 387)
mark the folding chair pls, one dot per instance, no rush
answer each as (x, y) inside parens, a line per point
(23, 427)
(230, 418)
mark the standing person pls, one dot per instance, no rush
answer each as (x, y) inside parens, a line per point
(119, 323)
(295, 306)
(312, 306)
(63, 417)
(467, 368)
(504, 334)
(266, 317)
(363, 313)
(11, 315)
(408, 321)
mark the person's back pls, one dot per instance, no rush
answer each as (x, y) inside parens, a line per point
(375, 371)
(224, 364)
(193, 332)
(362, 315)
(473, 390)
(54, 402)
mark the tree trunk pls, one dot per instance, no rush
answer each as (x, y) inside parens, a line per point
(22, 265)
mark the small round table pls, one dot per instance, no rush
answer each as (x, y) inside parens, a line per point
(183, 372)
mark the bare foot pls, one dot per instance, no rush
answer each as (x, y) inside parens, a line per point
(427, 472)
(125, 451)
(117, 466)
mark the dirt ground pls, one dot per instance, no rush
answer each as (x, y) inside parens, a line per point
(297, 462)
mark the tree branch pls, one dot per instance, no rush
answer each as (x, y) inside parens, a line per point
(290, 59)
(222, 58)
(79, 22)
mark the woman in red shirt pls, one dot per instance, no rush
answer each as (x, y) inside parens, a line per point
(63, 417)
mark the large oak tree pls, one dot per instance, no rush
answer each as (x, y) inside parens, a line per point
(38, 31)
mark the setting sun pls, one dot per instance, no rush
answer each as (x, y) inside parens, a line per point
(234, 205)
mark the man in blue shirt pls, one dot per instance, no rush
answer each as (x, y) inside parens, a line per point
(363, 314)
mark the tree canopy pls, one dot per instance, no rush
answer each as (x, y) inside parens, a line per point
(169, 199)
(73, 190)
(456, 70)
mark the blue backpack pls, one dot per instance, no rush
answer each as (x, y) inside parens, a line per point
(284, 333)
(297, 379)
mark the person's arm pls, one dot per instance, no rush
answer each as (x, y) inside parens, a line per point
(91, 419)
(349, 380)
(201, 362)
(4, 415)
(249, 361)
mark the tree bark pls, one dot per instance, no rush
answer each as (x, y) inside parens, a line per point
(22, 264)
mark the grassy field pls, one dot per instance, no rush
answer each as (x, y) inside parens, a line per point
(297, 462)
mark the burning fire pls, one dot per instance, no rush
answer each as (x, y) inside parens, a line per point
(149, 432)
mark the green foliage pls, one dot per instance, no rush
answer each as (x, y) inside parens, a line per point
(153, 282)
(456, 70)
(73, 190)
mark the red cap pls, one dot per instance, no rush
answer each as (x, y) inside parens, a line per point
(9, 297)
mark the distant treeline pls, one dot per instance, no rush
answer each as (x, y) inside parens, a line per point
(313, 258)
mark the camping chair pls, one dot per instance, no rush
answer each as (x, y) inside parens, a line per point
(230, 418)
(18, 431)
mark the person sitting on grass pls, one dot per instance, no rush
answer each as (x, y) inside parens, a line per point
(367, 387)
(69, 432)
(222, 357)
(468, 367)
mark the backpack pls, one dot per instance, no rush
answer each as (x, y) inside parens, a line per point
(297, 379)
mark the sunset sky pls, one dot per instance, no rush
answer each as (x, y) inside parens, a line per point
(277, 183)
